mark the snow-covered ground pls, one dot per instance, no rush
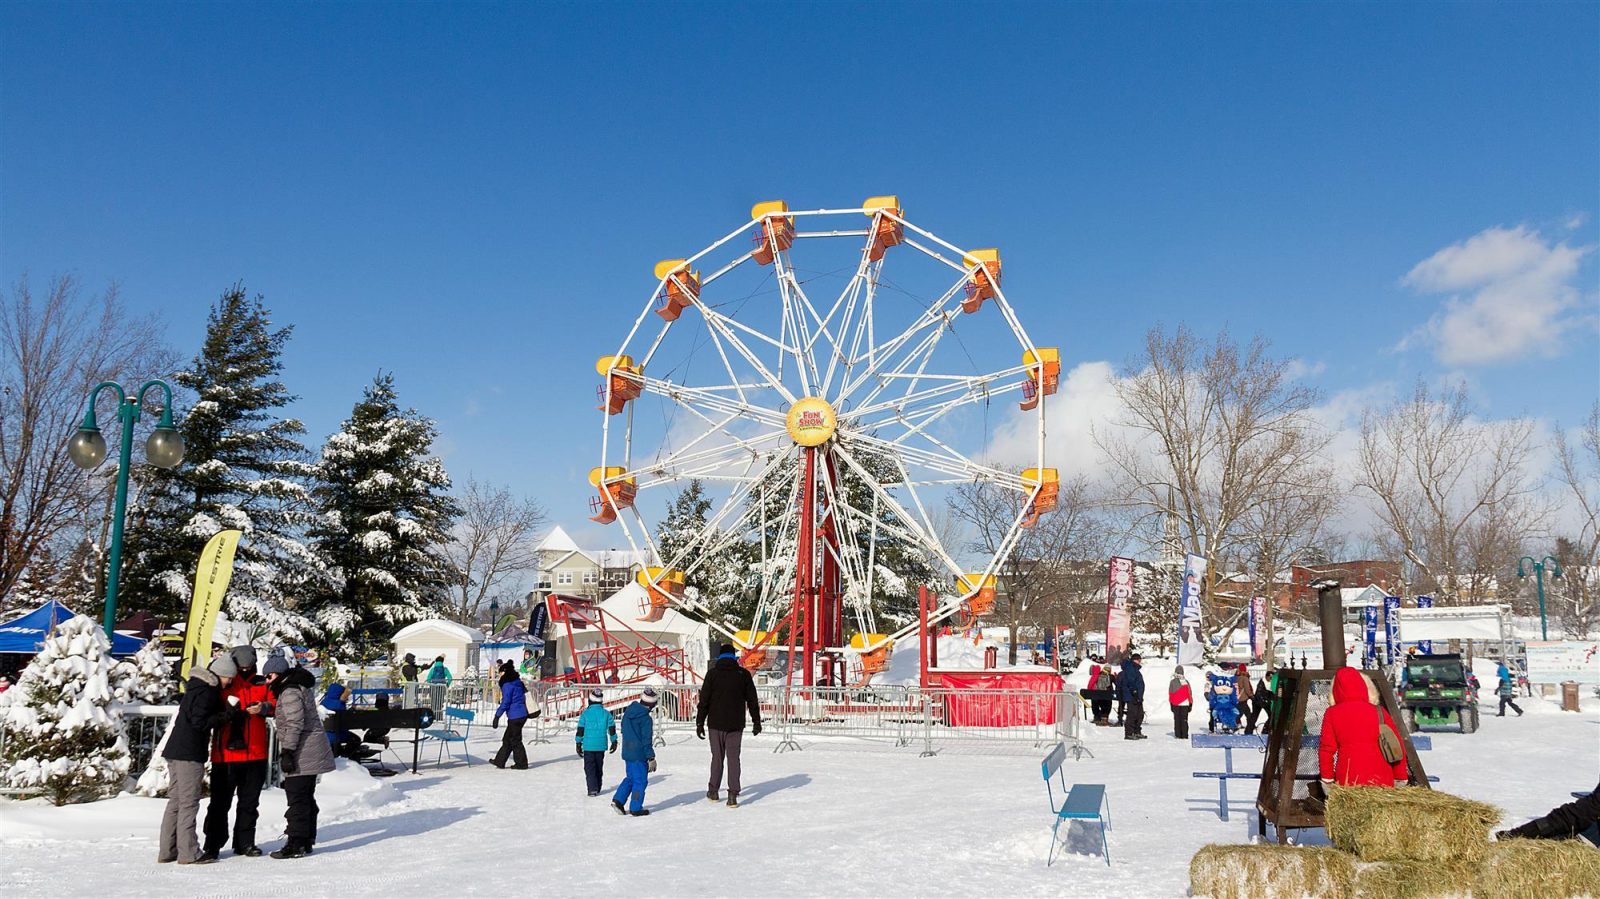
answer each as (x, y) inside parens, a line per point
(831, 819)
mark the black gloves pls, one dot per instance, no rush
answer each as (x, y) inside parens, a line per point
(650, 764)
(700, 731)
(496, 724)
(287, 762)
(613, 746)
(755, 731)
(580, 751)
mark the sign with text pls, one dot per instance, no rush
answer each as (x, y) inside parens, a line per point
(1119, 609)
(1191, 644)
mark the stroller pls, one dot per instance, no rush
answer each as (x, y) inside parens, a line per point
(1224, 703)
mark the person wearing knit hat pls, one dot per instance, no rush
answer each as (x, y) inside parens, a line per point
(186, 748)
(596, 729)
(1180, 696)
(638, 754)
(727, 693)
(239, 760)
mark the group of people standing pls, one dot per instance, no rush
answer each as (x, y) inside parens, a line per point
(727, 694)
(222, 719)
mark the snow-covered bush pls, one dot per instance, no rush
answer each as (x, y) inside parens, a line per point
(58, 737)
(144, 678)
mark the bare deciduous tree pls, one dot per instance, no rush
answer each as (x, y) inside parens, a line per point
(1580, 475)
(53, 349)
(1221, 437)
(1453, 494)
(492, 544)
(1036, 578)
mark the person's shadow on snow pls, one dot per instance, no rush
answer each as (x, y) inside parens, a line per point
(348, 835)
(750, 794)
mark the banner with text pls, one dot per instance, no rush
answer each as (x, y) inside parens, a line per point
(1369, 648)
(1191, 643)
(1119, 609)
(210, 583)
(1258, 627)
(1391, 629)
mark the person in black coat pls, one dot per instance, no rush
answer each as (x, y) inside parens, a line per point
(729, 690)
(1130, 692)
(1581, 817)
(188, 746)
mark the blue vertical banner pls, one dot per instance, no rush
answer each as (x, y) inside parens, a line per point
(1369, 650)
(1191, 644)
(1391, 629)
(1425, 646)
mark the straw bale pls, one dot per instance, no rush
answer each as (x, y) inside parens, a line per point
(1409, 824)
(1415, 880)
(1262, 871)
(1539, 869)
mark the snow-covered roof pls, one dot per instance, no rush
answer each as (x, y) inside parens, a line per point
(1361, 596)
(456, 631)
(624, 605)
(558, 540)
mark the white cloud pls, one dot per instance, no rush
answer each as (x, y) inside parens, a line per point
(1510, 294)
(1084, 404)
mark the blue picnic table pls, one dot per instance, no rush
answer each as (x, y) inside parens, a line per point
(1258, 742)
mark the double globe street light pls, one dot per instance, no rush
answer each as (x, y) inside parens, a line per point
(87, 449)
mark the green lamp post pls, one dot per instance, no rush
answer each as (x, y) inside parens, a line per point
(1538, 577)
(87, 449)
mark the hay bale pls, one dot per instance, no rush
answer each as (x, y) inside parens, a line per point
(1409, 824)
(1539, 869)
(1415, 880)
(1271, 872)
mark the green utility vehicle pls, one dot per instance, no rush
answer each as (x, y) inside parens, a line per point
(1438, 693)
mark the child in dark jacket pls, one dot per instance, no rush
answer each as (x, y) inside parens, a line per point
(638, 754)
(514, 707)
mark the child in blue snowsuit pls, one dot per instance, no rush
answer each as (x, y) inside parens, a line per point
(596, 728)
(638, 754)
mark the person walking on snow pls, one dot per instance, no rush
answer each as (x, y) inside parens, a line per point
(1351, 753)
(239, 759)
(1181, 696)
(303, 753)
(638, 754)
(1130, 692)
(728, 691)
(199, 712)
(514, 706)
(1507, 691)
(596, 729)
(1244, 692)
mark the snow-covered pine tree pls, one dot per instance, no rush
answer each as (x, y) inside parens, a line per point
(59, 738)
(146, 677)
(40, 582)
(384, 517)
(1156, 598)
(721, 572)
(244, 467)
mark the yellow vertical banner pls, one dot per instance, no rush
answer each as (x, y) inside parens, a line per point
(210, 583)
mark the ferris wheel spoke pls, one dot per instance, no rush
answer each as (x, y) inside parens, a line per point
(947, 461)
(712, 399)
(924, 537)
(726, 326)
(879, 357)
(735, 499)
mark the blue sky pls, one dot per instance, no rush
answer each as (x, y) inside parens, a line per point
(472, 196)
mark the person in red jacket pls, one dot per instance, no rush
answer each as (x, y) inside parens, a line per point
(239, 759)
(1350, 755)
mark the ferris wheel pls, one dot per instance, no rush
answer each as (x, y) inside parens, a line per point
(829, 374)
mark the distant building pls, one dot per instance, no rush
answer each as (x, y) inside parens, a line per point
(594, 574)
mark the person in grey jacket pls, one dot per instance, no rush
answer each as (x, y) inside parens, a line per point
(303, 753)
(188, 746)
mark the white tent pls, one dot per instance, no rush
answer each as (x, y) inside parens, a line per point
(437, 637)
(1451, 623)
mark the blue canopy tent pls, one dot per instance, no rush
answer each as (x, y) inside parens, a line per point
(26, 634)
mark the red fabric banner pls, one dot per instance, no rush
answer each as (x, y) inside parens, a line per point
(1119, 609)
(973, 709)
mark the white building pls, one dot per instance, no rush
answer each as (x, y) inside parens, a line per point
(436, 637)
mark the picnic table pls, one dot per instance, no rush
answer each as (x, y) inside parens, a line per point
(1258, 742)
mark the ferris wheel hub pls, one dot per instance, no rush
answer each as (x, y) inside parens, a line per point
(811, 421)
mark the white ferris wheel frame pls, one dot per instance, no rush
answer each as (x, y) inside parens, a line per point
(852, 370)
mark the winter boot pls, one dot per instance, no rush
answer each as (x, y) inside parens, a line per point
(712, 795)
(640, 813)
(621, 810)
(733, 800)
(249, 852)
(290, 851)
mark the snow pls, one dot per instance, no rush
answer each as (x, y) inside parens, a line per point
(832, 819)
(558, 541)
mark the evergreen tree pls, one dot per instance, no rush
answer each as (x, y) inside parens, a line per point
(59, 738)
(720, 571)
(145, 678)
(384, 522)
(40, 582)
(244, 467)
(1157, 590)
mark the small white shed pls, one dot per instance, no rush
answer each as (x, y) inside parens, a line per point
(436, 637)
